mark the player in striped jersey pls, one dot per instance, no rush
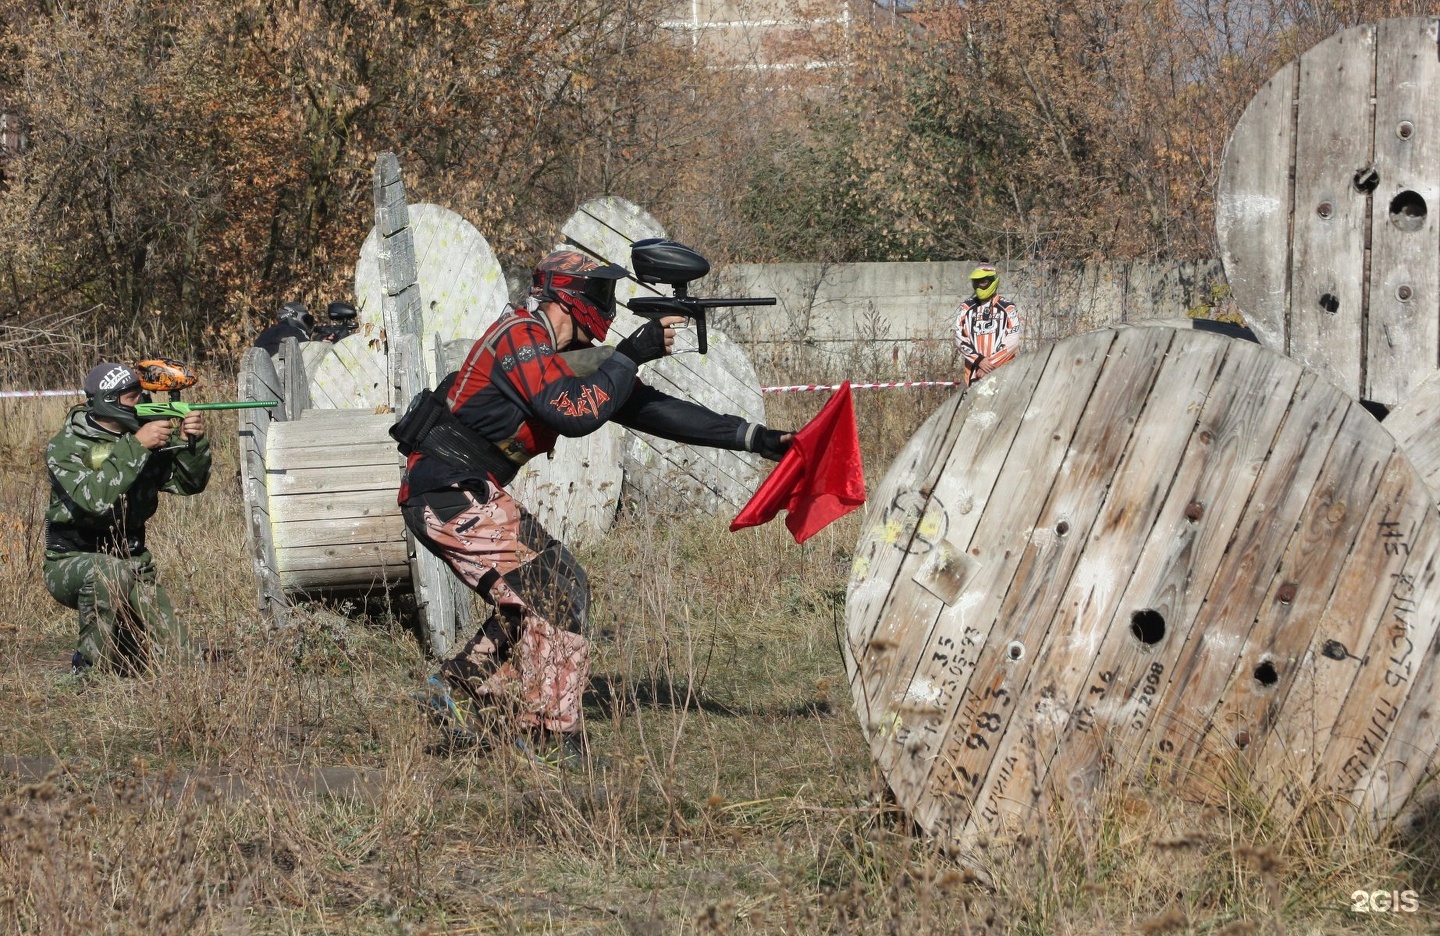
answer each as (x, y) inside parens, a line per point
(536, 374)
(987, 326)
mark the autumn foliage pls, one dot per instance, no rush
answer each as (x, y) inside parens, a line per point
(191, 166)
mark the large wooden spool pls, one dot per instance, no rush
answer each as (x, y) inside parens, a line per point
(1326, 209)
(1146, 552)
(462, 287)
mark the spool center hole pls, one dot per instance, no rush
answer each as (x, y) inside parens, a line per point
(1265, 674)
(1148, 626)
(1408, 211)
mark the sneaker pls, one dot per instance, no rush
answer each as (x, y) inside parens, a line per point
(456, 718)
(557, 751)
(79, 664)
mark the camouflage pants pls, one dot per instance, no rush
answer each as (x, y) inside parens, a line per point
(123, 610)
(534, 583)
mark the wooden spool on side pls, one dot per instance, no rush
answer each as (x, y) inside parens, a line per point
(1326, 209)
(332, 481)
(1144, 551)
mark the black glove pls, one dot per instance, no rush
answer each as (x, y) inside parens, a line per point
(767, 443)
(646, 344)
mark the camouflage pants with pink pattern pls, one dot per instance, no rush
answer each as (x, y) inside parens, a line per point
(530, 652)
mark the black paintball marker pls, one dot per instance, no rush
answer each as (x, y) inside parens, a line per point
(657, 260)
(342, 324)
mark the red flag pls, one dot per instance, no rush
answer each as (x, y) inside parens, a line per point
(819, 480)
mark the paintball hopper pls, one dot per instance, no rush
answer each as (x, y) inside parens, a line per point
(164, 374)
(340, 312)
(657, 260)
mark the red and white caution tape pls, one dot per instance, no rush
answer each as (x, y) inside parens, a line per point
(864, 386)
(12, 394)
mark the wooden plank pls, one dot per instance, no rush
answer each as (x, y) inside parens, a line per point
(1303, 586)
(335, 480)
(343, 578)
(355, 376)
(1087, 499)
(1077, 697)
(1233, 598)
(342, 415)
(935, 682)
(912, 520)
(439, 599)
(1252, 207)
(361, 557)
(1287, 757)
(1103, 509)
(1365, 735)
(294, 374)
(1332, 142)
(378, 528)
(256, 369)
(1415, 425)
(388, 190)
(335, 429)
(1408, 762)
(262, 380)
(321, 508)
(1404, 321)
(311, 354)
(382, 454)
(897, 511)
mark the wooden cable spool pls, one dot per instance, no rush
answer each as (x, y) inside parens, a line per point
(319, 489)
(460, 280)
(1326, 209)
(1146, 552)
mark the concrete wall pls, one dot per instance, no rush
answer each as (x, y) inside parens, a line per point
(903, 309)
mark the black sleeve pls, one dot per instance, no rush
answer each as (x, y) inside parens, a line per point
(659, 414)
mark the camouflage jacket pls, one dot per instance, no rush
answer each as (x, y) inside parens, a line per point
(104, 487)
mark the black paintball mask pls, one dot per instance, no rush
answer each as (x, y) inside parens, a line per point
(104, 386)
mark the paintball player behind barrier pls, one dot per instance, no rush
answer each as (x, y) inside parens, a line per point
(987, 326)
(536, 374)
(107, 470)
(292, 321)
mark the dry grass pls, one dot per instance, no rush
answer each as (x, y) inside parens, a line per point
(288, 788)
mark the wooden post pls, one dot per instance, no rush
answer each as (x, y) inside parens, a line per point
(443, 604)
(258, 381)
(295, 374)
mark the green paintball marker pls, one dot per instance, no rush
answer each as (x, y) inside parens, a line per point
(179, 409)
(158, 374)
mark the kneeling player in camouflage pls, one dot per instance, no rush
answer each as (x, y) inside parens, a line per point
(107, 470)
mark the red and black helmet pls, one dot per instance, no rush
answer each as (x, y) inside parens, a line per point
(583, 285)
